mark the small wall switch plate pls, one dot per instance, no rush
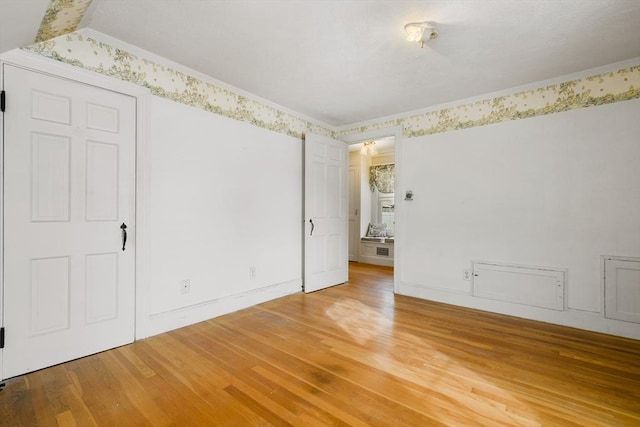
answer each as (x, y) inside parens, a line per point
(466, 274)
(185, 286)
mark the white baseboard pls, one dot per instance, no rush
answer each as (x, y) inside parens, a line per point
(185, 316)
(589, 321)
(387, 262)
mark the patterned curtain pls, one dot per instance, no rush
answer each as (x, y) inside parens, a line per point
(381, 177)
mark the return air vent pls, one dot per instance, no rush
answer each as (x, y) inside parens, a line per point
(382, 251)
(534, 286)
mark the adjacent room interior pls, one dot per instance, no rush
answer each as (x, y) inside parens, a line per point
(372, 202)
(316, 212)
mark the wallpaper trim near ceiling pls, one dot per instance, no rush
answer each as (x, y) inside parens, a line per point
(591, 91)
(93, 55)
(90, 54)
(62, 17)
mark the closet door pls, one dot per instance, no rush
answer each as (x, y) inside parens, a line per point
(69, 190)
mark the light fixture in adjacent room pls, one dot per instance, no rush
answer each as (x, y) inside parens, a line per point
(369, 149)
(421, 32)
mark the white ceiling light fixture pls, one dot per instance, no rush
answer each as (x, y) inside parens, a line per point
(421, 32)
(369, 149)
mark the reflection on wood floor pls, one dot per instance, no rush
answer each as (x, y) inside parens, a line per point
(355, 355)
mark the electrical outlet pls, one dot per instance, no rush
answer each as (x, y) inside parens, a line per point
(185, 286)
(466, 274)
(252, 273)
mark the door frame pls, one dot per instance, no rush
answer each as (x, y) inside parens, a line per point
(28, 61)
(397, 133)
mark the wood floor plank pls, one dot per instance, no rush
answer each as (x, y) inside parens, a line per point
(66, 419)
(351, 355)
(188, 390)
(242, 364)
(16, 403)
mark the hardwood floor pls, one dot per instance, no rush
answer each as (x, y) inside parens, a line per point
(354, 355)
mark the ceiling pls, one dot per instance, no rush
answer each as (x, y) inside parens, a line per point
(346, 61)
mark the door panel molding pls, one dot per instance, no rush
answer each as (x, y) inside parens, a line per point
(52, 68)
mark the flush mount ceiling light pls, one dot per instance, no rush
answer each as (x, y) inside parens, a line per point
(369, 149)
(421, 32)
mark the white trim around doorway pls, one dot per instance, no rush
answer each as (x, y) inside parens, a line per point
(396, 133)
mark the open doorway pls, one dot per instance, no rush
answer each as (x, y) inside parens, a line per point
(372, 201)
(396, 133)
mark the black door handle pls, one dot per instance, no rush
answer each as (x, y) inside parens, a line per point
(123, 227)
(312, 227)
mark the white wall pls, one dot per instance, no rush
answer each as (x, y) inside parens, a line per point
(558, 190)
(225, 196)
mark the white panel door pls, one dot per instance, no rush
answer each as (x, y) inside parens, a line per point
(326, 216)
(69, 185)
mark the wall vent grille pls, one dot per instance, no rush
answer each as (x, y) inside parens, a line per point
(382, 251)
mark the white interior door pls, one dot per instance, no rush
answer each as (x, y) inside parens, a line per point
(69, 165)
(326, 216)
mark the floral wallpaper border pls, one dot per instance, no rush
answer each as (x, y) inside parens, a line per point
(100, 57)
(76, 49)
(591, 91)
(62, 17)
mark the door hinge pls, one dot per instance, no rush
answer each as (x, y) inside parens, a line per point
(1, 337)
(3, 101)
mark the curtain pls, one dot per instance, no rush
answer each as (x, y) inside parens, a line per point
(381, 177)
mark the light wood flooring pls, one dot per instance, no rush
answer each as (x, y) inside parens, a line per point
(354, 355)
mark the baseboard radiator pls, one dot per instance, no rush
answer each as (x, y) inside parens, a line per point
(533, 286)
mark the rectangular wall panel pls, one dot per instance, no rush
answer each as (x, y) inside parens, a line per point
(334, 153)
(103, 118)
(50, 177)
(102, 287)
(50, 107)
(320, 150)
(316, 254)
(334, 187)
(334, 255)
(318, 197)
(49, 295)
(533, 286)
(622, 289)
(102, 181)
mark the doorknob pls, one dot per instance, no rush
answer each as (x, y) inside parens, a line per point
(312, 227)
(123, 227)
